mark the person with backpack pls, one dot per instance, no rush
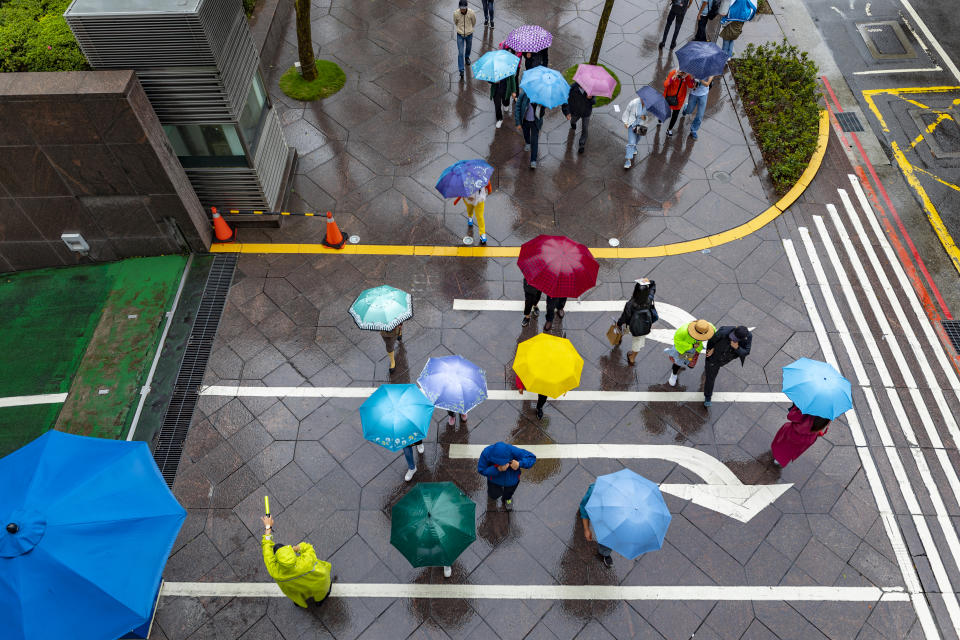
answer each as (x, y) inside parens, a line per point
(709, 9)
(687, 345)
(675, 89)
(638, 315)
(526, 118)
(731, 25)
(579, 106)
(726, 345)
(678, 8)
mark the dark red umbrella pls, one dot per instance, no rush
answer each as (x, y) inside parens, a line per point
(558, 266)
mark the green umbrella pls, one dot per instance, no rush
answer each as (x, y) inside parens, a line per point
(381, 308)
(433, 524)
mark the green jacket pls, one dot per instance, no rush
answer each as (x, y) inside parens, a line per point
(308, 578)
(511, 84)
(683, 341)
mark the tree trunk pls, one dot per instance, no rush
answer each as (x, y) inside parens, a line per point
(601, 30)
(308, 67)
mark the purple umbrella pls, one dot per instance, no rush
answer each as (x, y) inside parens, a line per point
(654, 102)
(528, 37)
(595, 80)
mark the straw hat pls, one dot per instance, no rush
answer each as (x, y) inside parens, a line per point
(700, 330)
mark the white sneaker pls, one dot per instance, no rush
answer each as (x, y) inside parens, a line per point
(499, 123)
(626, 164)
(447, 572)
(673, 380)
(409, 474)
(419, 448)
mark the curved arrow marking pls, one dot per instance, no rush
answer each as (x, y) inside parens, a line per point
(723, 491)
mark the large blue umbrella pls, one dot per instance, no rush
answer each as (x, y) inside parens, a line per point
(701, 59)
(628, 513)
(654, 102)
(396, 415)
(87, 528)
(453, 383)
(464, 178)
(494, 66)
(545, 86)
(817, 388)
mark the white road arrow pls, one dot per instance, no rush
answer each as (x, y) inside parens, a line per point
(723, 491)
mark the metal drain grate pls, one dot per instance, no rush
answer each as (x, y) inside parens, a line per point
(176, 422)
(952, 327)
(849, 121)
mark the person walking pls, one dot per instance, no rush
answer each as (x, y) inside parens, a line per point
(390, 339)
(464, 20)
(639, 314)
(579, 106)
(796, 435)
(411, 462)
(500, 93)
(541, 399)
(452, 419)
(731, 26)
(687, 344)
(588, 532)
(726, 345)
(678, 8)
(488, 13)
(675, 89)
(697, 103)
(526, 118)
(531, 298)
(296, 569)
(501, 463)
(532, 59)
(729, 32)
(707, 12)
(474, 205)
(633, 119)
(554, 308)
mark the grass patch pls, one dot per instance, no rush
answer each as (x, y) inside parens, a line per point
(330, 79)
(601, 100)
(778, 86)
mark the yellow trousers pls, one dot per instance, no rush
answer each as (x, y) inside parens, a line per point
(477, 210)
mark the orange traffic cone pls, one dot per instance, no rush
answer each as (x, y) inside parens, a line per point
(334, 239)
(220, 227)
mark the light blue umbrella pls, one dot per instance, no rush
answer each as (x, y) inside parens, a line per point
(381, 308)
(817, 388)
(453, 383)
(545, 86)
(628, 513)
(396, 415)
(494, 66)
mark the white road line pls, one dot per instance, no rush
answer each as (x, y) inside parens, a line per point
(503, 394)
(669, 313)
(933, 41)
(904, 561)
(23, 401)
(889, 71)
(547, 592)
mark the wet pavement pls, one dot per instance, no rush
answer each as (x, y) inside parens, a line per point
(371, 154)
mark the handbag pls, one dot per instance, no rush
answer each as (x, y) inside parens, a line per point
(674, 100)
(614, 335)
(640, 129)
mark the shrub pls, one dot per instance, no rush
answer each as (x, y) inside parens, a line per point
(778, 86)
(249, 6)
(601, 100)
(35, 37)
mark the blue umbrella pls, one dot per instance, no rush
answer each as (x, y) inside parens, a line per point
(464, 178)
(88, 525)
(453, 383)
(817, 388)
(545, 86)
(654, 102)
(701, 59)
(396, 415)
(494, 66)
(628, 513)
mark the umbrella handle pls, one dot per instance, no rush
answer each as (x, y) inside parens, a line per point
(456, 200)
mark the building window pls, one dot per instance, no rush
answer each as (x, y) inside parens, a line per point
(254, 111)
(207, 145)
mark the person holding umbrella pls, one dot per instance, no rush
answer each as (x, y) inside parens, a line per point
(499, 69)
(548, 366)
(687, 344)
(626, 513)
(796, 435)
(455, 384)
(397, 416)
(726, 345)
(648, 100)
(501, 463)
(383, 309)
(531, 298)
(433, 524)
(469, 180)
(526, 118)
(675, 89)
(697, 103)
(588, 532)
(819, 394)
(534, 41)
(544, 88)
(296, 569)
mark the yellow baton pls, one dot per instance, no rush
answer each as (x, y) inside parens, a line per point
(266, 504)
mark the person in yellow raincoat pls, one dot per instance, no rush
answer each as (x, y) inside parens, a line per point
(297, 570)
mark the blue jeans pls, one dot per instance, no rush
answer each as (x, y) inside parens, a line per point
(408, 454)
(727, 47)
(463, 41)
(700, 104)
(488, 10)
(632, 140)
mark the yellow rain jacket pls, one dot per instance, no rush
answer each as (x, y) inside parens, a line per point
(300, 576)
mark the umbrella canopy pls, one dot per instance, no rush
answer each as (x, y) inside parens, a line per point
(528, 37)
(655, 103)
(453, 383)
(558, 266)
(494, 66)
(396, 415)
(548, 364)
(817, 388)
(628, 513)
(88, 525)
(433, 524)
(595, 80)
(545, 86)
(381, 308)
(464, 178)
(701, 59)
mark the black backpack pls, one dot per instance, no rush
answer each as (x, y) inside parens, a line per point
(714, 9)
(641, 322)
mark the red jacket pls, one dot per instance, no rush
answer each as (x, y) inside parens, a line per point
(673, 85)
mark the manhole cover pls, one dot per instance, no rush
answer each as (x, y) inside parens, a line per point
(886, 40)
(722, 176)
(467, 240)
(944, 140)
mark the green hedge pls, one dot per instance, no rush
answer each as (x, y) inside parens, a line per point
(778, 86)
(35, 37)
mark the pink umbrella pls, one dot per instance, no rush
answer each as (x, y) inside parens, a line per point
(595, 80)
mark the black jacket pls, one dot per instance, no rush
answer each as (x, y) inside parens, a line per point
(530, 290)
(578, 103)
(536, 59)
(723, 352)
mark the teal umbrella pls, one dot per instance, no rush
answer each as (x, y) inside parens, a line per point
(433, 524)
(381, 308)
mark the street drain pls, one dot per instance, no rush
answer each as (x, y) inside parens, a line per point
(849, 121)
(886, 40)
(952, 327)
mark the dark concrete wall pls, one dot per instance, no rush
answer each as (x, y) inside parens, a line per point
(84, 152)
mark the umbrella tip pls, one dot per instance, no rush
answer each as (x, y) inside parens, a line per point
(13, 527)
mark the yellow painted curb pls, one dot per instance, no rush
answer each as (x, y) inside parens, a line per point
(676, 248)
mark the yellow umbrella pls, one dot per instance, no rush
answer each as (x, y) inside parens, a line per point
(549, 365)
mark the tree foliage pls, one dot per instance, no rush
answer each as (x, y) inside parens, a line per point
(34, 36)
